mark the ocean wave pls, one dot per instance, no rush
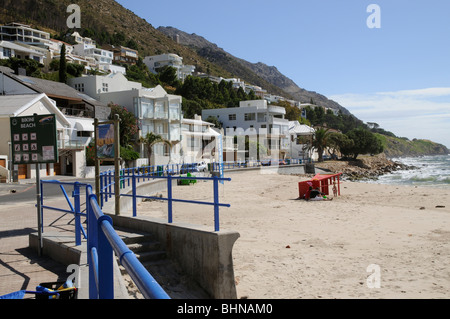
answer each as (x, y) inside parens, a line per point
(430, 171)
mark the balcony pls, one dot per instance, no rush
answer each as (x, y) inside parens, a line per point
(66, 144)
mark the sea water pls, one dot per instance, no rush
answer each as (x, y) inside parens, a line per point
(431, 171)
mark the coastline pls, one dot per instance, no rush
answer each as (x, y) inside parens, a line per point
(293, 249)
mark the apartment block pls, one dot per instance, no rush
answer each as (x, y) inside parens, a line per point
(156, 62)
(25, 34)
(256, 119)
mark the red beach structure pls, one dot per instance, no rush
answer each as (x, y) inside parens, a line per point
(323, 182)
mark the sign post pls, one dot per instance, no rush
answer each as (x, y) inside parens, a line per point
(34, 141)
(107, 148)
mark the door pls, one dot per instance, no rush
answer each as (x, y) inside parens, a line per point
(23, 171)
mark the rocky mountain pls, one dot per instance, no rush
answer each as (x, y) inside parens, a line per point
(268, 77)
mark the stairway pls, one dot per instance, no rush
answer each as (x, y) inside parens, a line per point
(165, 271)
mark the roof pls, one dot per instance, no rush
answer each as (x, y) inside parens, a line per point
(197, 122)
(51, 88)
(14, 105)
(296, 128)
(62, 91)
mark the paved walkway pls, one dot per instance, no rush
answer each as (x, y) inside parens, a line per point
(20, 267)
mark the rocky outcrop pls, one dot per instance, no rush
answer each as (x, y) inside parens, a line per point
(365, 168)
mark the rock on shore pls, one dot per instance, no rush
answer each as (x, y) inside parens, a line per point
(365, 167)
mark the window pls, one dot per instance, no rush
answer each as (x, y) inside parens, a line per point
(250, 117)
(84, 134)
(147, 108)
(7, 53)
(79, 87)
(262, 118)
(232, 117)
(105, 87)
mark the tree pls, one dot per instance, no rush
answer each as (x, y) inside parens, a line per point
(150, 140)
(338, 142)
(128, 123)
(75, 70)
(169, 76)
(364, 142)
(63, 65)
(320, 141)
(32, 67)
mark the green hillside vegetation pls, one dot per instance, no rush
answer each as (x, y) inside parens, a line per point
(398, 147)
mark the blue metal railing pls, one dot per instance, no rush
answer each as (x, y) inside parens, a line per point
(107, 182)
(75, 208)
(102, 241)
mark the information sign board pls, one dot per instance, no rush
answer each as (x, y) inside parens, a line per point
(34, 139)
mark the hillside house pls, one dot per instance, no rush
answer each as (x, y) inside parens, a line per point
(157, 62)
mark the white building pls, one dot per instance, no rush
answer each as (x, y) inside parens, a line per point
(156, 62)
(83, 40)
(96, 85)
(300, 135)
(27, 105)
(156, 110)
(103, 58)
(79, 111)
(14, 50)
(200, 141)
(257, 119)
(25, 34)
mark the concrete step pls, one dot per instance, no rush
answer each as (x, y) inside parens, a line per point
(151, 256)
(144, 246)
(132, 237)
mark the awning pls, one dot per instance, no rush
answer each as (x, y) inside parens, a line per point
(84, 125)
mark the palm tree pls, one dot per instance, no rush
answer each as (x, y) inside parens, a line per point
(320, 141)
(150, 140)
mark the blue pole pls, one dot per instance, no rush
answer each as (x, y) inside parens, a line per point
(133, 181)
(77, 212)
(169, 196)
(101, 189)
(216, 204)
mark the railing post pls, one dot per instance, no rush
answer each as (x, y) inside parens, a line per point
(77, 212)
(105, 262)
(92, 243)
(100, 194)
(216, 204)
(133, 186)
(169, 196)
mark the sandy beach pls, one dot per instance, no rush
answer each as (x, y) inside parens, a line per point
(291, 249)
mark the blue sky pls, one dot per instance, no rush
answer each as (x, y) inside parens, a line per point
(397, 76)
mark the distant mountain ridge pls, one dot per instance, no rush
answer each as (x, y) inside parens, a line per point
(275, 81)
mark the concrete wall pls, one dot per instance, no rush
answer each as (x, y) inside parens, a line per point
(204, 255)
